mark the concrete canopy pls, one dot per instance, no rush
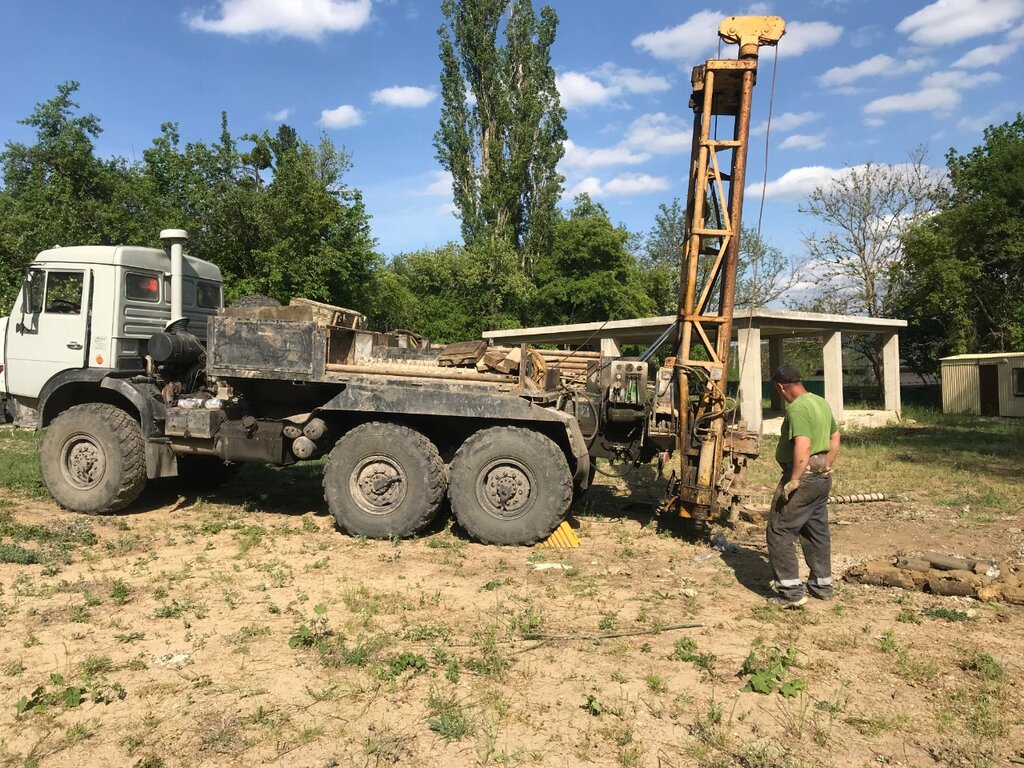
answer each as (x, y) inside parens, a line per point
(750, 327)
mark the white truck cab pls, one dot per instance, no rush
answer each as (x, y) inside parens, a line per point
(88, 311)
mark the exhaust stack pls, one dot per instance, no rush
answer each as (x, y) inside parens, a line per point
(176, 238)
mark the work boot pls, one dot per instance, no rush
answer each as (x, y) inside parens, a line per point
(781, 602)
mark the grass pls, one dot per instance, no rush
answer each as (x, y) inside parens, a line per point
(432, 665)
(967, 462)
(19, 465)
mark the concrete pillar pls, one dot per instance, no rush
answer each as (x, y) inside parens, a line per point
(748, 356)
(891, 372)
(833, 358)
(774, 361)
(610, 347)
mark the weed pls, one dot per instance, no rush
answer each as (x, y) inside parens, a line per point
(96, 665)
(591, 705)
(406, 660)
(385, 746)
(908, 616)
(490, 660)
(685, 649)
(767, 667)
(494, 584)
(67, 695)
(707, 726)
(946, 614)
(120, 592)
(447, 718)
(916, 670)
(130, 637)
(887, 642)
(985, 667)
(656, 683)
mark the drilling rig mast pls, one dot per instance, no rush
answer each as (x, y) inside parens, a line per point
(712, 452)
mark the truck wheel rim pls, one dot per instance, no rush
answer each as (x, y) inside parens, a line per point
(505, 488)
(83, 462)
(378, 484)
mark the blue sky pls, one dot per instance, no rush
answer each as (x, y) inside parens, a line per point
(857, 80)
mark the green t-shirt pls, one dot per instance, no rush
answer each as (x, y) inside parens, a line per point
(807, 416)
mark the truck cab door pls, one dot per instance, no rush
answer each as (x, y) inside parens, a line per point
(50, 332)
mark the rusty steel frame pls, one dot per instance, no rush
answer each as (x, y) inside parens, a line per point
(721, 87)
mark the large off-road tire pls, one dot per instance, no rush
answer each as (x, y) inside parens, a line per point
(202, 474)
(93, 459)
(384, 480)
(510, 485)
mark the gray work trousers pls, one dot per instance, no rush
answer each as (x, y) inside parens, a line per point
(804, 516)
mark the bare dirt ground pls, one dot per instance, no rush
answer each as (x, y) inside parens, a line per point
(243, 629)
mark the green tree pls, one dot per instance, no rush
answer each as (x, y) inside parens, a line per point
(503, 146)
(302, 233)
(963, 284)
(56, 191)
(452, 293)
(854, 262)
(763, 273)
(590, 274)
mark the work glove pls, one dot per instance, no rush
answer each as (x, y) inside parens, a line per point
(790, 488)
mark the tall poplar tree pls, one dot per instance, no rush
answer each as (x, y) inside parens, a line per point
(501, 133)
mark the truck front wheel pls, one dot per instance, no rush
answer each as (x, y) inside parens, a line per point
(93, 459)
(510, 485)
(384, 480)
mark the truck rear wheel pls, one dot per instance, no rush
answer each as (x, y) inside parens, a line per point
(93, 459)
(384, 480)
(510, 485)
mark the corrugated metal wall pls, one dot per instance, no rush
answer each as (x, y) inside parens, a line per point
(960, 388)
(961, 385)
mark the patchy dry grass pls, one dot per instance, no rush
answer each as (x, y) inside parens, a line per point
(242, 629)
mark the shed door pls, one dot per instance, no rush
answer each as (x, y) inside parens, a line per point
(988, 381)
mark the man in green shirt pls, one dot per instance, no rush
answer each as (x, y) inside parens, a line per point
(808, 447)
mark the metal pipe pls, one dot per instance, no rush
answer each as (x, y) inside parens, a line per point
(176, 239)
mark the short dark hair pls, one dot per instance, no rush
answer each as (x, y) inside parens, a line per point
(786, 374)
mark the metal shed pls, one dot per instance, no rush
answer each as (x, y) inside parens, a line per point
(986, 384)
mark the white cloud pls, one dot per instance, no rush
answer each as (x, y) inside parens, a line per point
(602, 85)
(803, 36)
(694, 39)
(308, 19)
(621, 186)
(942, 100)
(875, 66)
(697, 37)
(796, 183)
(986, 56)
(578, 90)
(802, 141)
(584, 158)
(344, 116)
(659, 134)
(280, 115)
(407, 96)
(787, 121)
(874, 122)
(440, 185)
(977, 124)
(1015, 35)
(948, 21)
(960, 80)
(939, 93)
